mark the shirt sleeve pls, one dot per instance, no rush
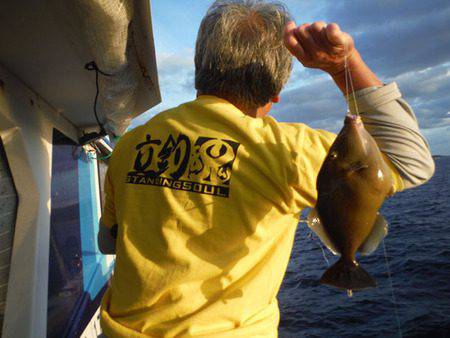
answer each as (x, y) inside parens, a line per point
(392, 123)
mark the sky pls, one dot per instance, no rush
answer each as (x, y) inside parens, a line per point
(406, 41)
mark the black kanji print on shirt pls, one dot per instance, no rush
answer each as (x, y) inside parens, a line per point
(204, 166)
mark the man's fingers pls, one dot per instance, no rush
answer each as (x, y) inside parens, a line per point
(291, 41)
(316, 32)
(330, 48)
(318, 45)
(335, 36)
(306, 40)
(289, 27)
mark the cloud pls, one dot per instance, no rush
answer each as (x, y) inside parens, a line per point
(320, 104)
(176, 81)
(427, 92)
(439, 139)
(175, 71)
(396, 36)
(364, 15)
(403, 41)
(407, 41)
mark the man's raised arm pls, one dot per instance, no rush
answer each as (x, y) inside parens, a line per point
(386, 116)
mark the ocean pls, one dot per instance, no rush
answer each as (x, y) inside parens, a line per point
(413, 294)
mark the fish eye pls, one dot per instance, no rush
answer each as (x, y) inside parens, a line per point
(333, 155)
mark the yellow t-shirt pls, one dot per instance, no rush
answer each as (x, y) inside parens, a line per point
(207, 200)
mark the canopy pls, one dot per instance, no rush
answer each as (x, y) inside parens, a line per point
(47, 43)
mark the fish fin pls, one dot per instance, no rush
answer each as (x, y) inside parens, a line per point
(316, 226)
(378, 233)
(347, 276)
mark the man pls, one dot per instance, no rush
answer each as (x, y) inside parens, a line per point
(206, 196)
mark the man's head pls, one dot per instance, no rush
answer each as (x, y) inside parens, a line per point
(240, 53)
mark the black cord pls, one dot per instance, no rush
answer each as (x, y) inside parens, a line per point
(93, 66)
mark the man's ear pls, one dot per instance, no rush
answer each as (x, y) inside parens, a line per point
(275, 99)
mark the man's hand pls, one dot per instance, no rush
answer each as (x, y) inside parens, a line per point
(325, 46)
(319, 45)
(106, 238)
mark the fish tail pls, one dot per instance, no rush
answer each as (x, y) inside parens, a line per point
(348, 275)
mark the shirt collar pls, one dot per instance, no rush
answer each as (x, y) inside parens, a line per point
(217, 103)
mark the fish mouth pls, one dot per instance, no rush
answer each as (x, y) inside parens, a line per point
(353, 119)
(354, 122)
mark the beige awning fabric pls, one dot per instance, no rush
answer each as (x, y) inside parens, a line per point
(115, 31)
(47, 44)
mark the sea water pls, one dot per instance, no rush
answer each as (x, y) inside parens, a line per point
(418, 253)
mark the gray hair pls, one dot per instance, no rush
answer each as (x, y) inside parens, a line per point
(240, 52)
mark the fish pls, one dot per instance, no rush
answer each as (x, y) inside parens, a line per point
(352, 184)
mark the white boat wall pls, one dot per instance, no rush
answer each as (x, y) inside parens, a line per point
(52, 275)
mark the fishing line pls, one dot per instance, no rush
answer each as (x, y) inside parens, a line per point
(323, 253)
(348, 79)
(319, 243)
(346, 75)
(394, 300)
